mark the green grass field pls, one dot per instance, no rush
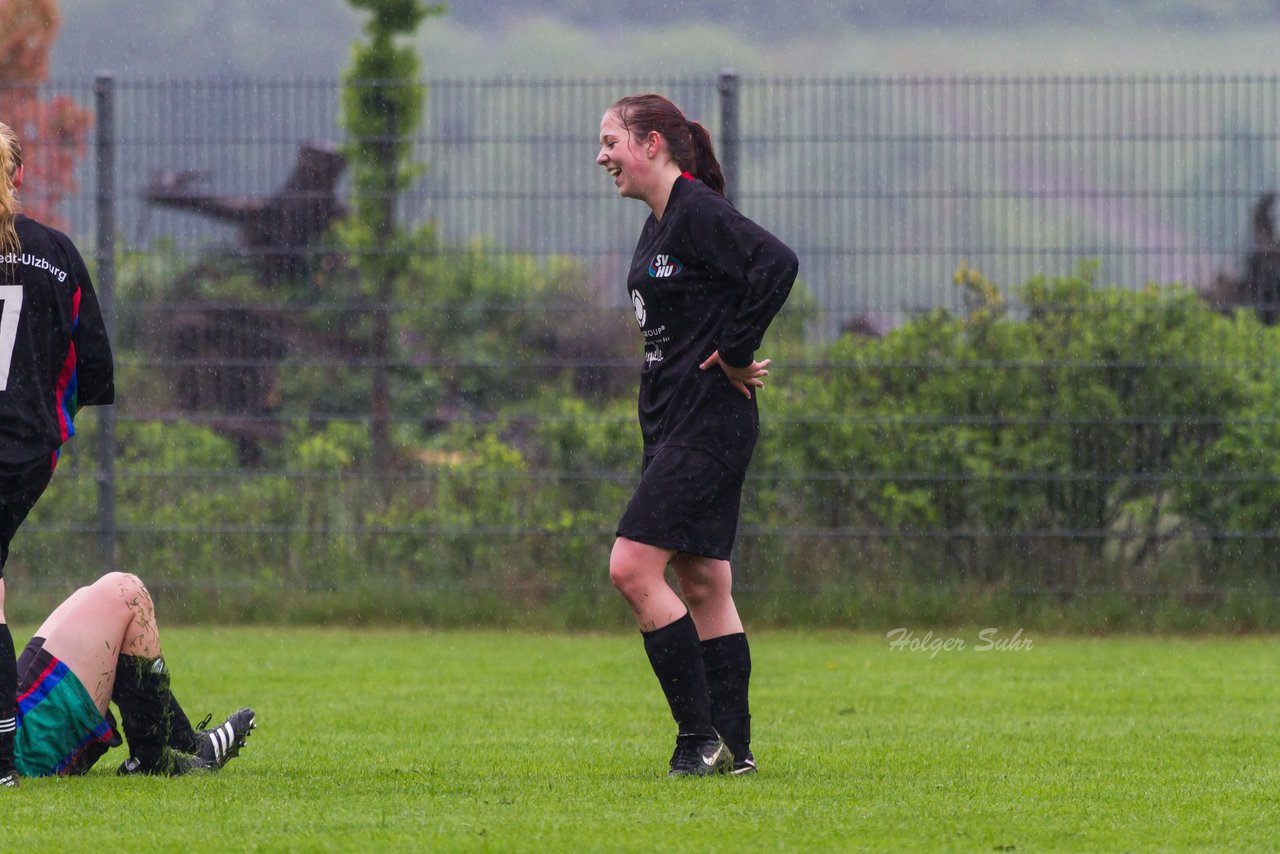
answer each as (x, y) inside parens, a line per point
(402, 740)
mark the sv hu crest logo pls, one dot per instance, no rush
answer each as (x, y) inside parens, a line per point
(664, 266)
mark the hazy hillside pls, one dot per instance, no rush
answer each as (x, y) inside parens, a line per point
(312, 38)
(769, 19)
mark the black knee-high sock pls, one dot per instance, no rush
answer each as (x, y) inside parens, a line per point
(142, 693)
(181, 735)
(727, 661)
(677, 662)
(8, 698)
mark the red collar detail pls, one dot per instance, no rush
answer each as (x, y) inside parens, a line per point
(687, 175)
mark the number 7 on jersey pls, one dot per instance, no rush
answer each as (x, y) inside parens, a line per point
(10, 308)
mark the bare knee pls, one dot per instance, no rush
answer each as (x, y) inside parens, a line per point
(703, 591)
(124, 583)
(704, 582)
(624, 574)
(126, 587)
(634, 567)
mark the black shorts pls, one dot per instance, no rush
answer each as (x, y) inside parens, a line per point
(687, 501)
(20, 489)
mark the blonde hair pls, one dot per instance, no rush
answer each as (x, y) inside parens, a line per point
(10, 160)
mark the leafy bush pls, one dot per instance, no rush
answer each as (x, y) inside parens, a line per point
(1072, 454)
(1043, 442)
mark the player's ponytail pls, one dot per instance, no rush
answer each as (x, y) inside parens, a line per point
(689, 142)
(10, 160)
(706, 167)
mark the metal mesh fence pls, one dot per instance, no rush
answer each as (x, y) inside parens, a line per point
(248, 383)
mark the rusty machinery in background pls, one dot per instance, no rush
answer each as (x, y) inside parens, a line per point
(227, 353)
(1258, 285)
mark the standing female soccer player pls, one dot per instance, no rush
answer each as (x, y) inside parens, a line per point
(705, 282)
(54, 357)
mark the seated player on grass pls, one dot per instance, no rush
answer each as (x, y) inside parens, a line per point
(101, 645)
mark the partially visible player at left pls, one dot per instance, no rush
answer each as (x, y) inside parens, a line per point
(101, 645)
(54, 358)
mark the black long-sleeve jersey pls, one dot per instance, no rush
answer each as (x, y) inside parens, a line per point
(54, 353)
(703, 278)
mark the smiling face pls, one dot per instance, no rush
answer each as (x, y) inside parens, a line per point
(629, 161)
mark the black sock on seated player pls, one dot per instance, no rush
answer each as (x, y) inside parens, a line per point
(182, 736)
(142, 693)
(727, 661)
(676, 658)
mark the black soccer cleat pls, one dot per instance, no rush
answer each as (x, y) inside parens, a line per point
(700, 756)
(9, 780)
(170, 764)
(744, 764)
(220, 745)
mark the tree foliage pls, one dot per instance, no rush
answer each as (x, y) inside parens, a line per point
(382, 107)
(1058, 436)
(382, 103)
(1119, 422)
(52, 130)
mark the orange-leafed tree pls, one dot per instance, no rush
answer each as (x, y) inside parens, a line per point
(52, 129)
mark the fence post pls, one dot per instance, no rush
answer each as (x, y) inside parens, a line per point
(105, 285)
(729, 133)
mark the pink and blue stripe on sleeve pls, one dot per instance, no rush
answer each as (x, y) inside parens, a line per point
(65, 390)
